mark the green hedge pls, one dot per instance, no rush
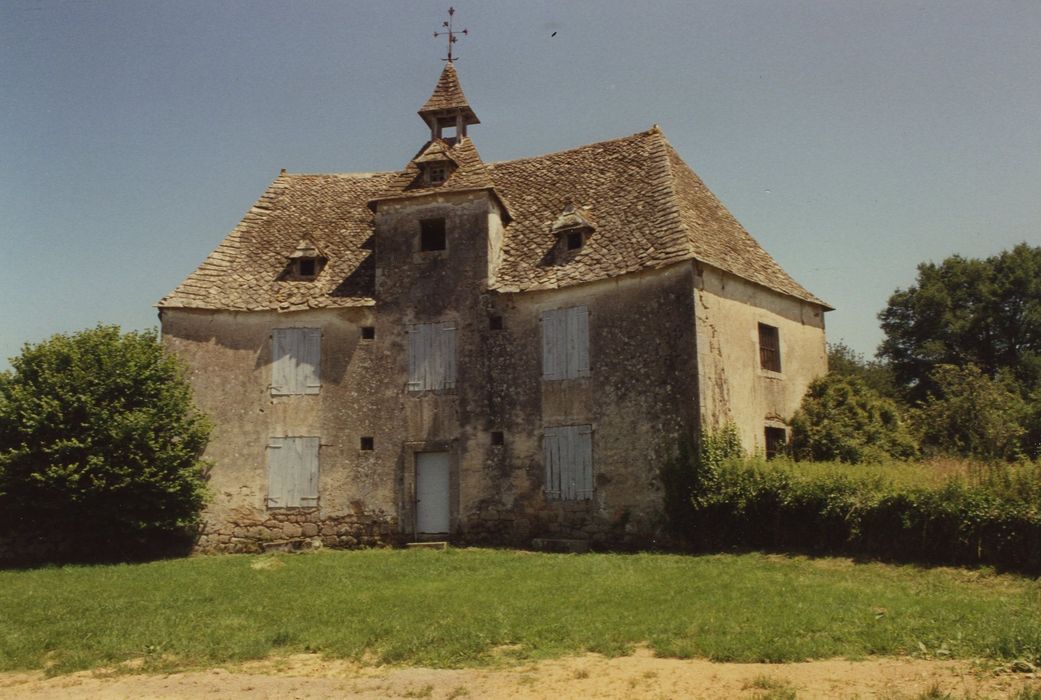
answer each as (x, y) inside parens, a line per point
(750, 506)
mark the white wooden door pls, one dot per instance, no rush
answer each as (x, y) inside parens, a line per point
(432, 493)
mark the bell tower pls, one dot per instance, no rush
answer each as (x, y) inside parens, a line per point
(447, 112)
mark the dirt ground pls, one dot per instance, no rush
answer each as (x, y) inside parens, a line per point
(641, 675)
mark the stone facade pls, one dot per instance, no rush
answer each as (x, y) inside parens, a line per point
(666, 293)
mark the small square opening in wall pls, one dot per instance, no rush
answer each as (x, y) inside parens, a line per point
(495, 322)
(575, 240)
(368, 332)
(498, 438)
(431, 235)
(368, 443)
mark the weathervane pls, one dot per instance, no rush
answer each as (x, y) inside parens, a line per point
(452, 36)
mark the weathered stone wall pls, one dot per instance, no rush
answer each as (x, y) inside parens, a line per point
(229, 355)
(640, 399)
(667, 348)
(734, 387)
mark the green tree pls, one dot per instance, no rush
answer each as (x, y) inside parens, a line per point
(842, 418)
(972, 414)
(984, 312)
(846, 361)
(100, 444)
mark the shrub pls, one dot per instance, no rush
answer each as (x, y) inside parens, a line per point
(100, 444)
(993, 519)
(841, 418)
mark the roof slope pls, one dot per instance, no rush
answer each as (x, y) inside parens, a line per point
(244, 272)
(649, 208)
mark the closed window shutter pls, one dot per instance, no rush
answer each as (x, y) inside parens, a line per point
(578, 341)
(292, 473)
(281, 362)
(583, 452)
(431, 356)
(307, 471)
(554, 341)
(415, 358)
(446, 352)
(551, 456)
(276, 472)
(296, 359)
(568, 455)
(309, 368)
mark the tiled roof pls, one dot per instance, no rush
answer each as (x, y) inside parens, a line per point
(649, 209)
(448, 96)
(470, 173)
(243, 273)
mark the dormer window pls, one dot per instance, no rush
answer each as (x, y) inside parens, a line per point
(573, 228)
(437, 173)
(305, 262)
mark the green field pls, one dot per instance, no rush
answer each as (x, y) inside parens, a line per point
(476, 607)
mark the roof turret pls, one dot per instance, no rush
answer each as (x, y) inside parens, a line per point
(447, 107)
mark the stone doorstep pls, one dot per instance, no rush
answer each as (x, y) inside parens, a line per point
(426, 545)
(566, 546)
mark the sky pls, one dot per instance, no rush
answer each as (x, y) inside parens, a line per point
(854, 140)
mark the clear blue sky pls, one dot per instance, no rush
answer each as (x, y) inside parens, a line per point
(853, 140)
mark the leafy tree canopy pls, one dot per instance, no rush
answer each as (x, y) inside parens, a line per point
(846, 361)
(962, 311)
(99, 441)
(972, 414)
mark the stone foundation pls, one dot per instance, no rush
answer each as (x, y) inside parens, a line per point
(297, 529)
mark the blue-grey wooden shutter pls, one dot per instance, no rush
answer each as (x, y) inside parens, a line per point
(296, 358)
(305, 471)
(431, 356)
(276, 472)
(554, 334)
(446, 354)
(582, 441)
(282, 365)
(577, 342)
(551, 450)
(415, 358)
(309, 366)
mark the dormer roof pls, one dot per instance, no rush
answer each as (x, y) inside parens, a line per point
(571, 218)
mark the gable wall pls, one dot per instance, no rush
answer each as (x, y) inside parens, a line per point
(733, 385)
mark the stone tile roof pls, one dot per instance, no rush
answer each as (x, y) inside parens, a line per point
(650, 210)
(244, 272)
(470, 172)
(448, 96)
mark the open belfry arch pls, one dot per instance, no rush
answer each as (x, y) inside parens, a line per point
(489, 352)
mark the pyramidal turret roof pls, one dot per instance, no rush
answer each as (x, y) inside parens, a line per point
(448, 97)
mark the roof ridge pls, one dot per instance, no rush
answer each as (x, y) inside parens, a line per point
(570, 150)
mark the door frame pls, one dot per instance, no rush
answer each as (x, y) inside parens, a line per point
(408, 521)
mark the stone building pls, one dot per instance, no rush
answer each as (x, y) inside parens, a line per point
(493, 352)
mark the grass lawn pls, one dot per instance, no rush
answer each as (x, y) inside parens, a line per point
(474, 607)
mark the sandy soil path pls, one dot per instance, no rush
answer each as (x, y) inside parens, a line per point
(641, 675)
